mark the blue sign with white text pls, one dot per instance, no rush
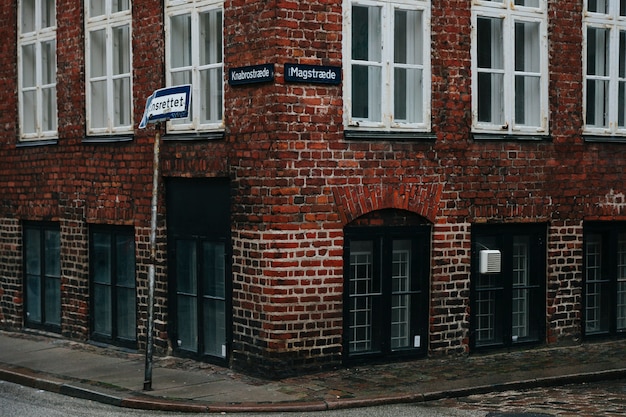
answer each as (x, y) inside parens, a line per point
(167, 103)
(317, 74)
(251, 74)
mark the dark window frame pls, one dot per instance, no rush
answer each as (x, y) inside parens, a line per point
(502, 237)
(609, 232)
(44, 323)
(194, 214)
(114, 338)
(383, 238)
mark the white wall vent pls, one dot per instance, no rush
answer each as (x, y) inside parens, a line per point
(490, 261)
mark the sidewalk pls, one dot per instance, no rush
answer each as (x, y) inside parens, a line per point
(116, 377)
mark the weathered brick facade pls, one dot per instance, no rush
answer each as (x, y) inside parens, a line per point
(297, 181)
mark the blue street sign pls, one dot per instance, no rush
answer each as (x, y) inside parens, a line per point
(167, 103)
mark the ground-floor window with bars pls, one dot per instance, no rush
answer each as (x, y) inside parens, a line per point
(386, 291)
(508, 305)
(605, 279)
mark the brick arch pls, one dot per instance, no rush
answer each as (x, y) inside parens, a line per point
(355, 201)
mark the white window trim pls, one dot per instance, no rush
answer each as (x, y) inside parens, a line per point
(510, 13)
(107, 22)
(37, 37)
(387, 122)
(194, 8)
(614, 23)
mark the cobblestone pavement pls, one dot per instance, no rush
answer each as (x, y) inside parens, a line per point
(605, 399)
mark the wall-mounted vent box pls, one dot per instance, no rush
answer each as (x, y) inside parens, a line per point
(490, 261)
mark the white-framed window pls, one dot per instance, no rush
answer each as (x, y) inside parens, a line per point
(194, 55)
(510, 67)
(387, 82)
(605, 66)
(108, 65)
(37, 69)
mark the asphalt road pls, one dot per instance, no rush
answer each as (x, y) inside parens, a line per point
(19, 401)
(606, 399)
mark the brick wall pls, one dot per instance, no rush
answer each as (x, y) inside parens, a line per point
(297, 182)
(11, 291)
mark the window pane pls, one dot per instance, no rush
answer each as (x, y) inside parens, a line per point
(49, 109)
(527, 3)
(597, 102)
(33, 252)
(408, 87)
(98, 112)
(361, 286)
(121, 50)
(621, 88)
(29, 116)
(621, 282)
(187, 319)
(29, 66)
(366, 33)
(53, 301)
(527, 105)
(598, 6)
(97, 53)
(125, 261)
(521, 294)
(186, 261)
(401, 301)
(596, 288)
(28, 16)
(119, 5)
(400, 321)
(126, 315)
(488, 300)
(53, 253)
(102, 309)
(597, 51)
(48, 13)
(121, 88)
(101, 258)
(214, 270)
(527, 46)
(97, 7)
(490, 76)
(48, 64)
(180, 41)
(408, 41)
(33, 298)
(214, 328)
(366, 92)
(489, 44)
(491, 98)
(408, 45)
(211, 37)
(211, 89)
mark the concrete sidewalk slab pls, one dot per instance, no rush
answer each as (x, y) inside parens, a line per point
(115, 376)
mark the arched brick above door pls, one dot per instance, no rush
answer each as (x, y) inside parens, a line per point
(355, 201)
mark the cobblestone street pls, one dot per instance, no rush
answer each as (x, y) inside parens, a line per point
(594, 399)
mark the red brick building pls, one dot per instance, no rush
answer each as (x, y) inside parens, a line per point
(457, 187)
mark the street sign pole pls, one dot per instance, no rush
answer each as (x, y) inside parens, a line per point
(164, 104)
(147, 383)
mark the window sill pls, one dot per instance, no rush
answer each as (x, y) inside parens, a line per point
(510, 137)
(354, 134)
(108, 139)
(36, 142)
(604, 139)
(215, 135)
